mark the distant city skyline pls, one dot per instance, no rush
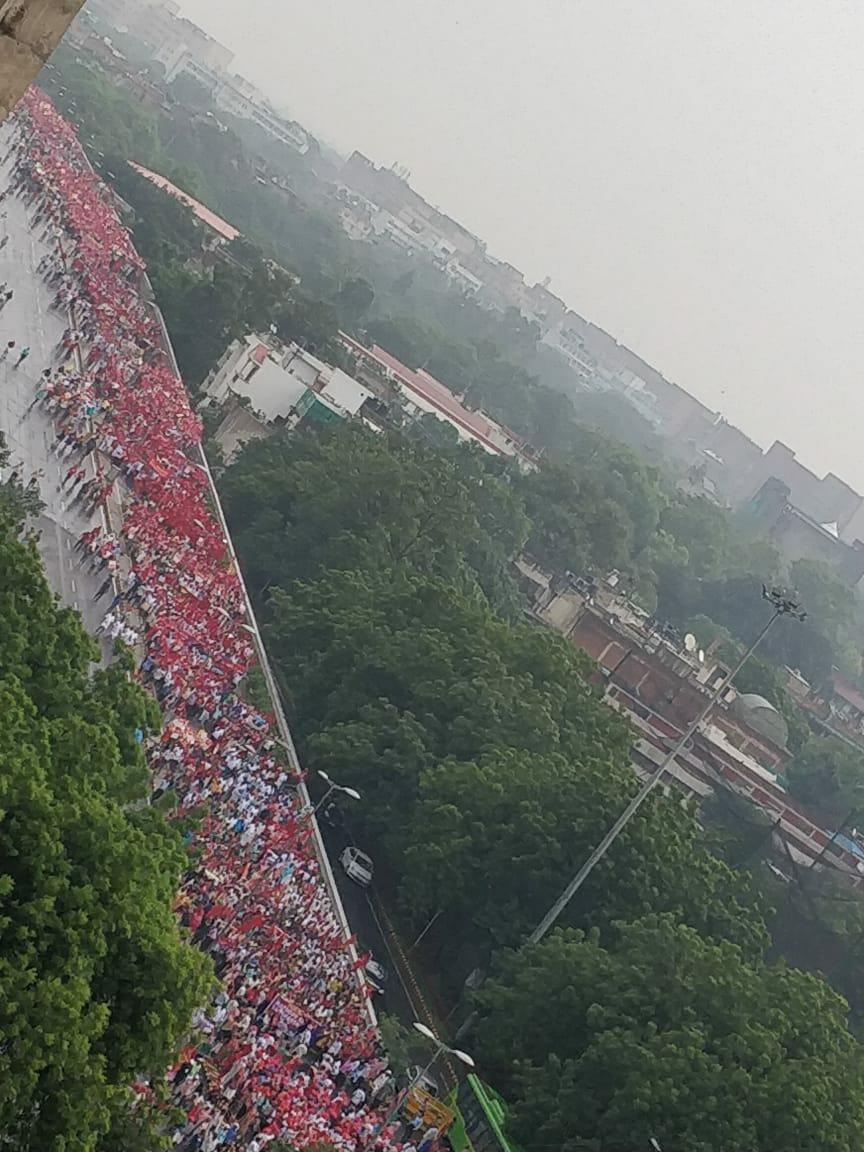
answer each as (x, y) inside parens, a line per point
(688, 174)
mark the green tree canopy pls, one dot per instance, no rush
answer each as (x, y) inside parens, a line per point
(593, 510)
(354, 299)
(346, 498)
(667, 1035)
(477, 745)
(97, 983)
(494, 841)
(828, 775)
(735, 603)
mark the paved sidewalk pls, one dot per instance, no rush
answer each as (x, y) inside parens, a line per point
(27, 320)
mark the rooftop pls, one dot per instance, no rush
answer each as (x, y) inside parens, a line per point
(761, 715)
(848, 692)
(202, 212)
(493, 436)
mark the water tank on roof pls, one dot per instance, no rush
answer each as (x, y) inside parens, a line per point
(761, 715)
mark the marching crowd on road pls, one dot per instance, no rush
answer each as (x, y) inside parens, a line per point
(286, 1049)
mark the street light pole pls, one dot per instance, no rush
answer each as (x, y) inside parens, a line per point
(783, 605)
(334, 787)
(414, 1083)
(417, 1079)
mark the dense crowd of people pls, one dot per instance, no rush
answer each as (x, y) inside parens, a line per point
(286, 1049)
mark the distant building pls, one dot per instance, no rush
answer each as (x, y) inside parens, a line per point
(220, 228)
(798, 536)
(181, 48)
(402, 216)
(159, 25)
(846, 703)
(661, 687)
(827, 499)
(238, 428)
(235, 95)
(276, 385)
(406, 217)
(377, 204)
(356, 225)
(461, 278)
(421, 394)
(570, 345)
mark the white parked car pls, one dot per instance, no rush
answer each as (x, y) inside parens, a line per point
(358, 867)
(376, 970)
(376, 975)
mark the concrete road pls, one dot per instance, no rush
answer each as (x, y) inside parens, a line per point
(397, 999)
(26, 319)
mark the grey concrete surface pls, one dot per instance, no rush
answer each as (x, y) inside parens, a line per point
(28, 320)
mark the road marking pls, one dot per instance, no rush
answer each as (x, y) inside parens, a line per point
(68, 544)
(394, 964)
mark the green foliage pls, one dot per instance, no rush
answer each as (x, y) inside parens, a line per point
(664, 1034)
(828, 776)
(189, 93)
(477, 367)
(832, 610)
(684, 556)
(354, 299)
(165, 230)
(492, 839)
(487, 764)
(404, 1046)
(734, 602)
(111, 122)
(496, 361)
(346, 498)
(594, 509)
(205, 315)
(206, 307)
(97, 984)
(255, 690)
(145, 1126)
(612, 414)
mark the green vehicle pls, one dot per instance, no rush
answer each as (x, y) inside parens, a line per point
(481, 1116)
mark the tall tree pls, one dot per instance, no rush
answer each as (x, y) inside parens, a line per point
(354, 299)
(97, 983)
(665, 1035)
(594, 509)
(347, 498)
(828, 775)
(494, 841)
(476, 745)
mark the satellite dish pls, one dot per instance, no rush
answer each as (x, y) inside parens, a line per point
(690, 642)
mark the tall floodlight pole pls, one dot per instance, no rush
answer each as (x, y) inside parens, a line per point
(783, 605)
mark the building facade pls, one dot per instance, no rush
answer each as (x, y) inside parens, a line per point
(420, 394)
(159, 25)
(772, 513)
(262, 385)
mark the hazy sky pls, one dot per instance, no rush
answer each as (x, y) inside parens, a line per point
(690, 173)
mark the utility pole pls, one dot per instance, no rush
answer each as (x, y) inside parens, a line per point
(783, 605)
